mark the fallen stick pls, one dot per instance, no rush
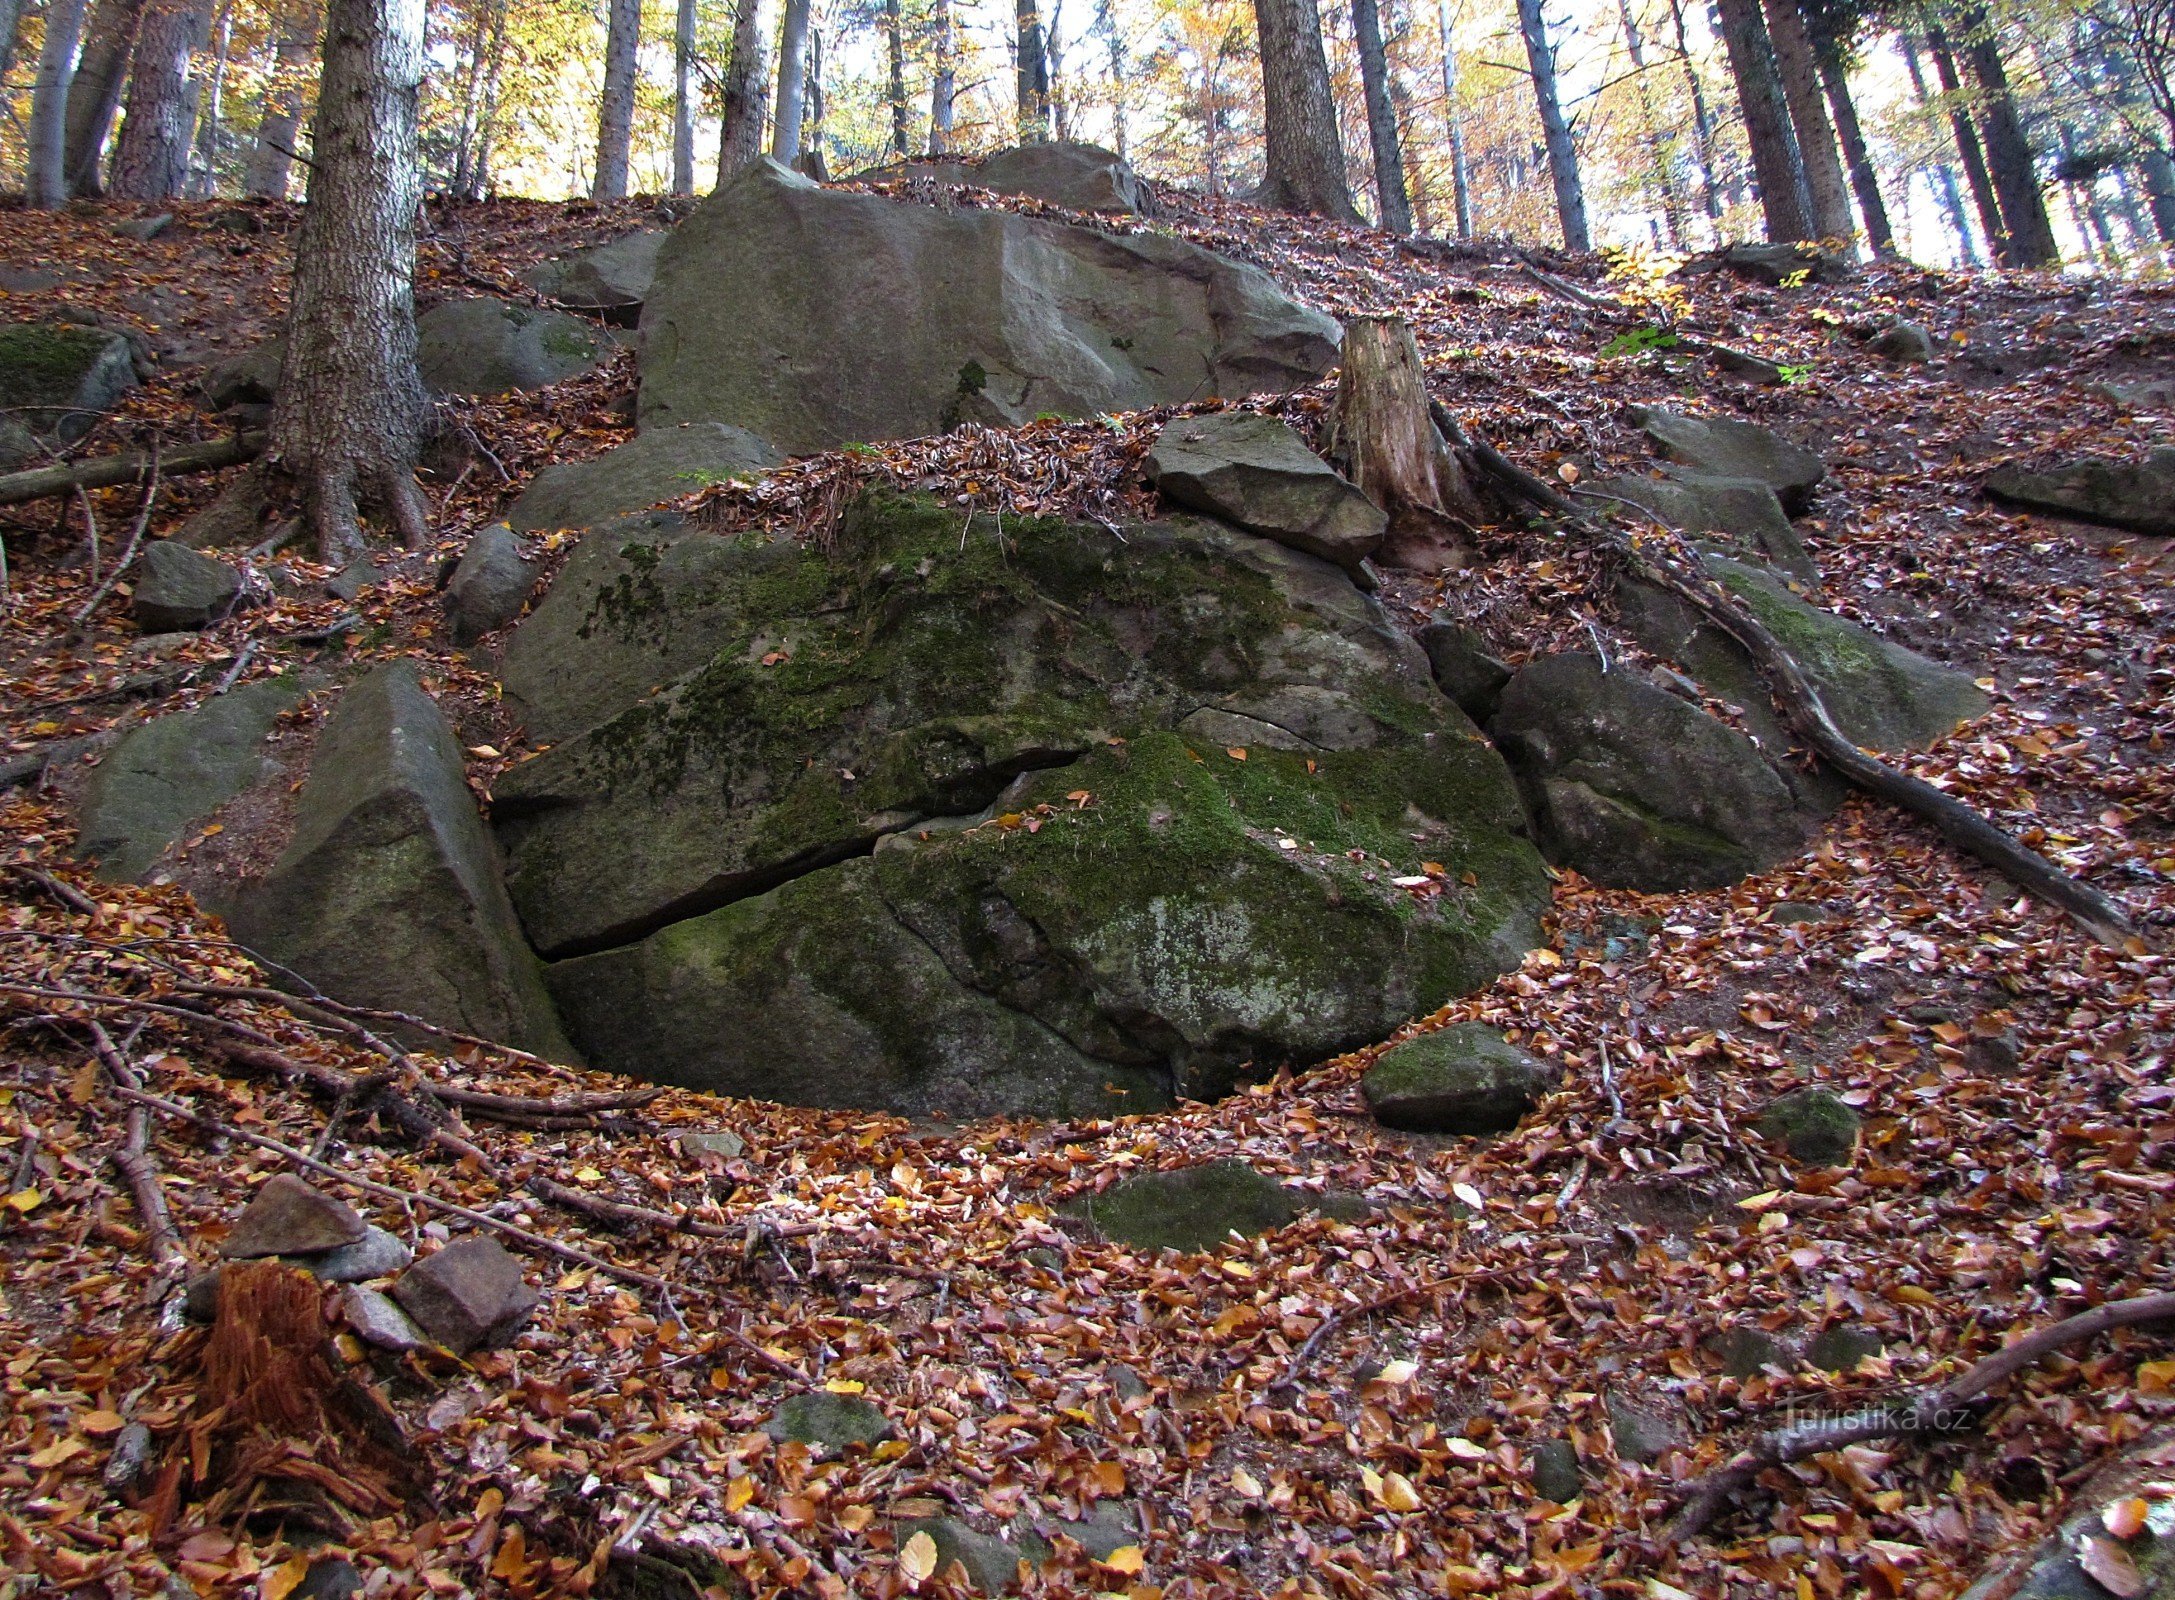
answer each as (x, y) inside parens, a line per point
(66, 893)
(1929, 1410)
(133, 1161)
(104, 472)
(82, 613)
(32, 764)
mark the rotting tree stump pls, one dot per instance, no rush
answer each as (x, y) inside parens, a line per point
(1382, 437)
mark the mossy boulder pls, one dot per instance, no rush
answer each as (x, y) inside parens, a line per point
(489, 586)
(178, 589)
(1723, 447)
(491, 346)
(662, 464)
(1464, 1079)
(835, 1421)
(1634, 787)
(57, 378)
(1741, 515)
(2137, 495)
(991, 1563)
(1194, 1208)
(1080, 177)
(1813, 1125)
(1841, 1347)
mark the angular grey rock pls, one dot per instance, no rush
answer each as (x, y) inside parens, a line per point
(376, 1319)
(1640, 1433)
(18, 445)
(287, 1217)
(389, 892)
(1747, 1351)
(2146, 394)
(612, 277)
(1079, 177)
(1633, 787)
(144, 229)
(1902, 341)
(490, 346)
(1747, 366)
(173, 771)
(1253, 472)
(1813, 1125)
(466, 1294)
(854, 317)
(178, 588)
(489, 586)
(250, 378)
(834, 1421)
(57, 378)
(2137, 495)
(723, 1145)
(1787, 263)
(1193, 1208)
(1556, 1472)
(1841, 1347)
(1465, 667)
(350, 582)
(663, 463)
(1463, 1079)
(992, 1564)
(1723, 447)
(377, 1254)
(1741, 515)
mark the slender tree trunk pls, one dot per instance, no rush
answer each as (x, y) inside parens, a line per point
(1555, 129)
(1864, 179)
(812, 158)
(351, 412)
(785, 130)
(615, 111)
(109, 39)
(740, 134)
(11, 29)
(2008, 152)
(1967, 144)
(1702, 121)
(902, 130)
(153, 161)
(1461, 178)
(279, 123)
(1392, 203)
(204, 170)
(1053, 72)
(1660, 147)
(47, 174)
(683, 98)
(1116, 47)
(1799, 71)
(944, 80)
(1031, 72)
(2158, 173)
(479, 166)
(464, 144)
(1944, 175)
(1780, 171)
(1305, 164)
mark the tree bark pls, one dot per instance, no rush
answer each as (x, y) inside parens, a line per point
(785, 132)
(683, 98)
(812, 101)
(1799, 70)
(203, 169)
(1944, 175)
(740, 132)
(279, 122)
(1115, 44)
(1031, 73)
(1660, 147)
(46, 177)
(479, 165)
(1461, 178)
(1967, 145)
(895, 50)
(351, 413)
(1305, 154)
(1555, 129)
(153, 161)
(109, 39)
(944, 81)
(1702, 121)
(1392, 202)
(615, 111)
(1864, 177)
(2008, 152)
(1381, 431)
(1776, 165)
(11, 28)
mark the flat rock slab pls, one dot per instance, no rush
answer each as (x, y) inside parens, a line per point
(1742, 515)
(57, 378)
(834, 1421)
(377, 1254)
(1463, 1079)
(178, 589)
(2137, 495)
(857, 318)
(660, 464)
(376, 1319)
(1079, 177)
(491, 346)
(467, 1294)
(1723, 447)
(175, 771)
(287, 1217)
(489, 586)
(1255, 473)
(1194, 1208)
(604, 277)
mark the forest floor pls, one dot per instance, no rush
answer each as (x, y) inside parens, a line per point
(1497, 1294)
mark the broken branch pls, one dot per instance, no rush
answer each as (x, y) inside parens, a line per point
(104, 472)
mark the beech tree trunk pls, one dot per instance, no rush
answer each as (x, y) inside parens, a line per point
(203, 170)
(1031, 73)
(46, 177)
(1660, 147)
(902, 128)
(279, 122)
(11, 28)
(812, 101)
(1776, 165)
(1702, 121)
(1115, 44)
(2008, 152)
(351, 413)
(1391, 200)
(1799, 70)
(1305, 154)
(1461, 180)
(740, 133)
(1555, 128)
(1381, 432)
(683, 99)
(785, 131)
(1864, 178)
(494, 71)
(153, 160)
(944, 82)
(1944, 175)
(109, 39)
(615, 111)
(1967, 146)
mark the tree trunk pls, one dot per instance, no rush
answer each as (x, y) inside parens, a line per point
(2008, 152)
(811, 161)
(1864, 178)
(1031, 73)
(615, 111)
(2158, 173)
(1799, 71)
(1660, 147)
(943, 81)
(109, 39)
(1702, 121)
(902, 130)
(683, 99)
(1116, 47)
(153, 161)
(1967, 145)
(1392, 203)
(351, 413)
(740, 132)
(204, 170)
(1776, 165)
(11, 29)
(1461, 179)
(479, 166)
(785, 131)
(279, 123)
(1555, 129)
(1305, 154)
(1381, 432)
(46, 177)
(1944, 175)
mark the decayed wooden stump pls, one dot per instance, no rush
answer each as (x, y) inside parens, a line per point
(1380, 433)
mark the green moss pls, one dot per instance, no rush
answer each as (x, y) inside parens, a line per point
(833, 1420)
(569, 344)
(1813, 1125)
(1193, 1208)
(42, 363)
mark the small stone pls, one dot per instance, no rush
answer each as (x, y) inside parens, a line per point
(1792, 913)
(289, 1218)
(144, 229)
(1991, 1054)
(329, 1578)
(1813, 1125)
(721, 1143)
(489, 587)
(1840, 1349)
(200, 1297)
(1464, 1079)
(375, 1319)
(1126, 1383)
(1904, 342)
(832, 1420)
(378, 1254)
(1465, 667)
(179, 588)
(467, 1294)
(1745, 1352)
(1044, 1257)
(1192, 1208)
(991, 1564)
(1107, 1528)
(1556, 1472)
(1723, 447)
(351, 580)
(1640, 1434)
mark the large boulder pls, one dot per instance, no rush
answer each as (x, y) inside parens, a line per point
(611, 278)
(2137, 495)
(491, 346)
(389, 892)
(1079, 177)
(1742, 516)
(489, 586)
(174, 771)
(852, 317)
(662, 464)
(56, 379)
(1137, 799)
(1634, 787)
(1723, 447)
(1255, 473)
